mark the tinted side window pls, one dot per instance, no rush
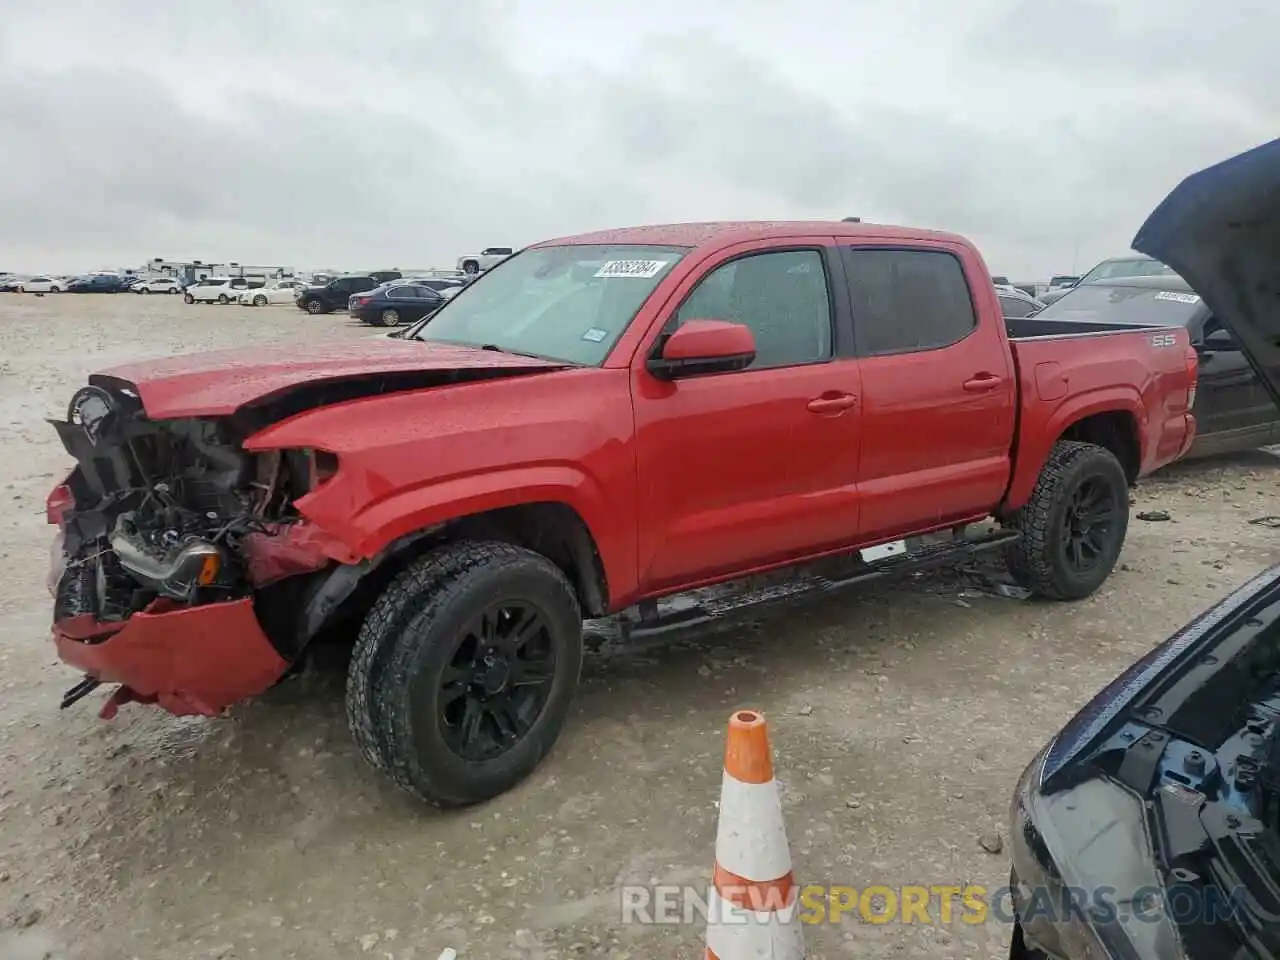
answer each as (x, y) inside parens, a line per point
(908, 300)
(781, 296)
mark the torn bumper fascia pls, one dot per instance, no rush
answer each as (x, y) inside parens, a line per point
(188, 660)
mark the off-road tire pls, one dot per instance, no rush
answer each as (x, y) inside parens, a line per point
(404, 644)
(1037, 559)
(314, 307)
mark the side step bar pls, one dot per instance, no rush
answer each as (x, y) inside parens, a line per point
(654, 620)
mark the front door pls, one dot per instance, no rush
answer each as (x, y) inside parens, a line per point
(740, 470)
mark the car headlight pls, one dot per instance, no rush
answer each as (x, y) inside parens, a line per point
(1089, 886)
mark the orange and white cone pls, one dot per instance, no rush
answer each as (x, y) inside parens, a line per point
(752, 909)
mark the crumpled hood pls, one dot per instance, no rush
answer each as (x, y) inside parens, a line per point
(1220, 229)
(218, 383)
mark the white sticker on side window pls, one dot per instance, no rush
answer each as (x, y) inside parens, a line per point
(641, 269)
(1177, 297)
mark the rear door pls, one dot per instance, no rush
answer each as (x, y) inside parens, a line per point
(938, 387)
(740, 470)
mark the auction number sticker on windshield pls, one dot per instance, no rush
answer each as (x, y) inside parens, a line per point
(640, 269)
(1177, 297)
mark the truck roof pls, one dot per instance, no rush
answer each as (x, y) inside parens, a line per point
(726, 232)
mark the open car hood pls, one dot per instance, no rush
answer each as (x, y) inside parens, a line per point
(1220, 229)
(218, 383)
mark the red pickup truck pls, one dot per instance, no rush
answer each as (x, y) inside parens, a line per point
(596, 423)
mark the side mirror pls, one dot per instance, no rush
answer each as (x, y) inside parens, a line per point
(1219, 340)
(704, 346)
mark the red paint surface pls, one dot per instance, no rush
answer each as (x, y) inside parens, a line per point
(191, 660)
(219, 382)
(291, 550)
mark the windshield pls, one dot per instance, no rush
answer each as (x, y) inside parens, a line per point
(1118, 269)
(566, 303)
(1099, 303)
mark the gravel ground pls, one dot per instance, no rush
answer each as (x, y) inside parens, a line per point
(901, 717)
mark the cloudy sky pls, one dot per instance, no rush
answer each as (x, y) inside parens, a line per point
(373, 133)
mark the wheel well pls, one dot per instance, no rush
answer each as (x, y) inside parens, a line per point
(554, 530)
(1117, 431)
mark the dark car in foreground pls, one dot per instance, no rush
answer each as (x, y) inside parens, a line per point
(1233, 409)
(1149, 827)
(392, 304)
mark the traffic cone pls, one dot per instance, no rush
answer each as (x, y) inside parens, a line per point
(752, 911)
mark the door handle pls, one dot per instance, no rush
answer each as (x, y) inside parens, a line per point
(982, 382)
(834, 404)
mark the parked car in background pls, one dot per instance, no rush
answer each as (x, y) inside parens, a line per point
(1233, 409)
(1115, 268)
(1016, 304)
(97, 283)
(279, 291)
(157, 285)
(395, 303)
(9, 283)
(1147, 827)
(43, 285)
(217, 289)
(333, 295)
(473, 263)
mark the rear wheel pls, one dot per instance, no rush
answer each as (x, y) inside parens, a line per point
(146, 289)
(1073, 527)
(471, 267)
(314, 307)
(388, 318)
(464, 670)
(259, 301)
(223, 298)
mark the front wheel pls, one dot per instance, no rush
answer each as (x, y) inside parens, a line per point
(464, 669)
(259, 301)
(314, 307)
(188, 298)
(146, 290)
(471, 268)
(223, 299)
(1073, 526)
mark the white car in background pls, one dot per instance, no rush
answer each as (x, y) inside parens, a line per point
(473, 263)
(157, 285)
(282, 291)
(42, 285)
(216, 290)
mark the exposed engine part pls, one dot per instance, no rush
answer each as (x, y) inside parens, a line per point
(162, 508)
(175, 566)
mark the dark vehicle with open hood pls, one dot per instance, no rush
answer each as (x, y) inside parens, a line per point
(1149, 827)
(640, 427)
(334, 295)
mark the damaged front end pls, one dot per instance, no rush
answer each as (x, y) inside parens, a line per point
(168, 535)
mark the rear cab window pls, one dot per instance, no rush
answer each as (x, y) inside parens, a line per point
(907, 300)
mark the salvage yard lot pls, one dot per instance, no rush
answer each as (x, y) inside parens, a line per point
(901, 717)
